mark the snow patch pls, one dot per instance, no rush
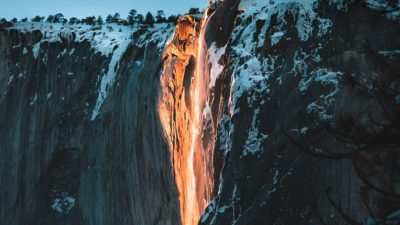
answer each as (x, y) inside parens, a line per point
(103, 39)
(276, 37)
(33, 99)
(324, 26)
(255, 138)
(61, 54)
(108, 80)
(341, 5)
(225, 132)
(390, 8)
(48, 96)
(390, 53)
(63, 203)
(10, 80)
(302, 130)
(210, 208)
(330, 81)
(216, 68)
(323, 76)
(35, 50)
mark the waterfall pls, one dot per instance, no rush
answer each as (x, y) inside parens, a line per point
(182, 108)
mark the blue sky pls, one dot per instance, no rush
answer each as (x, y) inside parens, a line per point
(82, 8)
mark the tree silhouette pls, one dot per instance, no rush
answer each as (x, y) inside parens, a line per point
(58, 18)
(73, 20)
(109, 19)
(50, 19)
(139, 19)
(116, 18)
(172, 19)
(149, 21)
(160, 17)
(37, 19)
(90, 20)
(194, 11)
(372, 144)
(99, 21)
(132, 17)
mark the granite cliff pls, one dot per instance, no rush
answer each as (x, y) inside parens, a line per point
(81, 140)
(256, 112)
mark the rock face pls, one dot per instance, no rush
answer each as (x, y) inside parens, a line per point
(285, 74)
(61, 165)
(247, 116)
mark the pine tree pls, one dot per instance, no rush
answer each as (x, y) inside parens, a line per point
(90, 20)
(194, 11)
(109, 19)
(99, 20)
(73, 20)
(50, 19)
(131, 17)
(149, 21)
(37, 19)
(139, 19)
(116, 18)
(172, 19)
(59, 17)
(160, 18)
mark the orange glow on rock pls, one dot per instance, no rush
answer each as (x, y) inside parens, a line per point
(180, 109)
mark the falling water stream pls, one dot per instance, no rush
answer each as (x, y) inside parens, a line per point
(181, 113)
(198, 95)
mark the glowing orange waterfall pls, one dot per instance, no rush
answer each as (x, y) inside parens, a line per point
(183, 97)
(198, 96)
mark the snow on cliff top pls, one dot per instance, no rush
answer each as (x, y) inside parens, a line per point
(103, 38)
(392, 9)
(252, 6)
